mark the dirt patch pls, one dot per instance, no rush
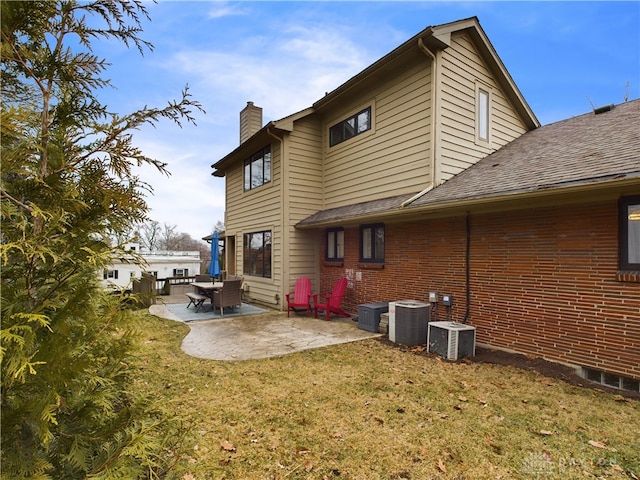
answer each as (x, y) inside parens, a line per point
(543, 367)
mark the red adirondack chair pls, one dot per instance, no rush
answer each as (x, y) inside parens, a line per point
(332, 301)
(301, 296)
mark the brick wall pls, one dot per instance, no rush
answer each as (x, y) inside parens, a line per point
(542, 281)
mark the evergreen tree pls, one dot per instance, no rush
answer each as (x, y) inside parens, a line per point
(67, 186)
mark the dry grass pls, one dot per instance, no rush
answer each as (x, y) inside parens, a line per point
(366, 410)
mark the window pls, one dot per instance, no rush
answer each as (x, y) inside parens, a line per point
(257, 254)
(180, 272)
(113, 274)
(372, 243)
(352, 126)
(335, 244)
(629, 235)
(257, 169)
(483, 115)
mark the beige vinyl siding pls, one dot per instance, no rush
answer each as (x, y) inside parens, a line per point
(305, 169)
(461, 69)
(254, 211)
(304, 197)
(391, 158)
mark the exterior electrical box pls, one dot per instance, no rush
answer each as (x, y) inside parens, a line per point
(452, 340)
(411, 318)
(369, 315)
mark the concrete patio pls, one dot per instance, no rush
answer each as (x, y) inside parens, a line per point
(256, 333)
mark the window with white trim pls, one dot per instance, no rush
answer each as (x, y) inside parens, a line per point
(483, 114)
(110, 274)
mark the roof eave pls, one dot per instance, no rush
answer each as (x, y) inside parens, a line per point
(511, 200)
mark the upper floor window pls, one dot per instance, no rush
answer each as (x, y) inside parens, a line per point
(483, 109)
(629, 233)
(257, 168)
(335, 244)
(352, 126)
(372, 243)
(180, 272)
(257, 254)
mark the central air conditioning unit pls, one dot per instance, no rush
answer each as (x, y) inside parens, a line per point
(408, 320)
(452, 340)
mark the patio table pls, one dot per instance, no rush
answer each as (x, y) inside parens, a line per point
(207, 288)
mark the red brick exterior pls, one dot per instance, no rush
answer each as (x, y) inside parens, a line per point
(543, 281)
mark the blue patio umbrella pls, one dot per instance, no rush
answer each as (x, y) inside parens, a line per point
(214, 264)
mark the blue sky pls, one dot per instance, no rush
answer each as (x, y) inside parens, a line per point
(283, 56)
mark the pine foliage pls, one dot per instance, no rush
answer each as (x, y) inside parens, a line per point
(67, 185)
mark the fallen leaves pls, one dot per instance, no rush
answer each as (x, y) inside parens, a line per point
(227, 446)
(593, 443)
(441, 466)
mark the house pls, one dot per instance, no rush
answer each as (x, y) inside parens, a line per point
(428, 172)
(161, 264)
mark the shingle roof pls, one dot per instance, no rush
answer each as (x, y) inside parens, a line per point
(588, 149)
(355, 210)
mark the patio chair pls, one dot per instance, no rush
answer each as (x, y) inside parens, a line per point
(203, 278)
(300, 297)
(332, 301)
(229, 295)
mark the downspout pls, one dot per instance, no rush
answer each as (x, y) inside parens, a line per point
(285, 238)
(468, 267)
(435, 97)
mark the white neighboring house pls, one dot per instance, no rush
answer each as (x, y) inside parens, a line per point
(160, 263)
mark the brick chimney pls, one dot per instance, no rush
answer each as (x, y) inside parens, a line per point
(250, 121)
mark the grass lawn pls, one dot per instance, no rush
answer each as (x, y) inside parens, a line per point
(367, 410)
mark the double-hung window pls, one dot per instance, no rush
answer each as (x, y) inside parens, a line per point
(257, 169)
(629, 233)
(372, 243)
(257, 254)
(335, 245)
(352, 126)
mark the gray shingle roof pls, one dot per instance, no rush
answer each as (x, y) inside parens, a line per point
(384, 205)
(582, 150)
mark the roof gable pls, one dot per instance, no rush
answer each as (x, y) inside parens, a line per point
(434, 38)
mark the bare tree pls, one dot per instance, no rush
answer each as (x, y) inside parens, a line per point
(149, 235)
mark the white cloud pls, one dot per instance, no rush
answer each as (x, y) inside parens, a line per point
(282, 73)
(225, 9)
